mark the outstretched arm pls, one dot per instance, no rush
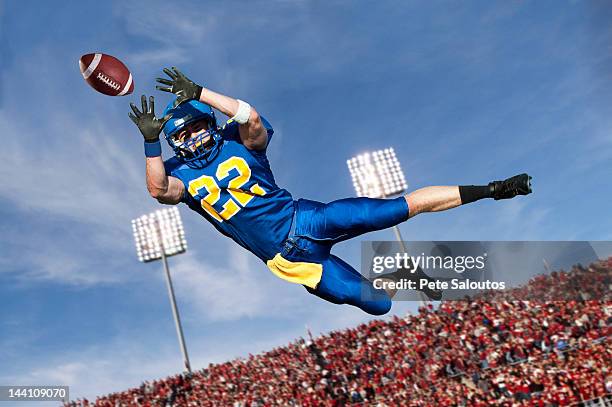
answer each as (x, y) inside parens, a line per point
(252, 131)
(167, 190)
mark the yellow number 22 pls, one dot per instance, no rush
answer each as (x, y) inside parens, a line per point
(240, 197)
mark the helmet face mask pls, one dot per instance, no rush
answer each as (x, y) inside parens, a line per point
(189, 129)
(188, 118)
(193, 137)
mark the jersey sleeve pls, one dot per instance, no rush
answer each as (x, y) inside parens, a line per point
(229, 131)
(172, 166)
(268, 127)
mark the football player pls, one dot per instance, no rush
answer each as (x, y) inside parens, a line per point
(223, 173)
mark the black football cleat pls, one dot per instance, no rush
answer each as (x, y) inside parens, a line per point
(511, 187)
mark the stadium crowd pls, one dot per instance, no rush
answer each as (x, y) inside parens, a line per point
(495, 350)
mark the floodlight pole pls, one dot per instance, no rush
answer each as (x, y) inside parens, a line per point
(175, 313)
(399, 238)
(152, 233)
(423, 299)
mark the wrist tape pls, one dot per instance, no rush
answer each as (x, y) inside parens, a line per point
(243, 113)
(152, 149)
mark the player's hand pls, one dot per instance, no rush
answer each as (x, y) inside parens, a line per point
(149, 125)
(183, 87)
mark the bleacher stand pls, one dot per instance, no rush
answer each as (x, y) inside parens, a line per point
(486, 351)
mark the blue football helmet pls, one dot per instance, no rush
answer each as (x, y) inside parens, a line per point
(192, 151)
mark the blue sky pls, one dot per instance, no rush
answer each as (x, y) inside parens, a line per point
(465, 92)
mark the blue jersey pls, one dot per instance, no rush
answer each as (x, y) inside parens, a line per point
(236, 192)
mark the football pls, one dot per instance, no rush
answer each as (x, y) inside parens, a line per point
(106, 74)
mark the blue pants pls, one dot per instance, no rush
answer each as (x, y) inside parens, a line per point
(318, 226)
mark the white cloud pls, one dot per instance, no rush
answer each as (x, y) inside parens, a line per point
(241, 287)
(164, 23)
(519, 219)
(172, 35)
(90, 184)
(70, 174)
(73, 169)
(157, 57)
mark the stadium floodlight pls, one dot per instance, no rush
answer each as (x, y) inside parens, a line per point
(149, 242)
(379, 175)
(160, 235)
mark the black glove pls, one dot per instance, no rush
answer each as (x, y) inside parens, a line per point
(183, 87)
(149, 125)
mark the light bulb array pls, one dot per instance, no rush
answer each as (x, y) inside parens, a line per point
(162, 229)
(377, 174)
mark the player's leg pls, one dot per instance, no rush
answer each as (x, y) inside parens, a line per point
(433, 199)
(346, 218)
(441, 198)
(303, 260)
(342, 284)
